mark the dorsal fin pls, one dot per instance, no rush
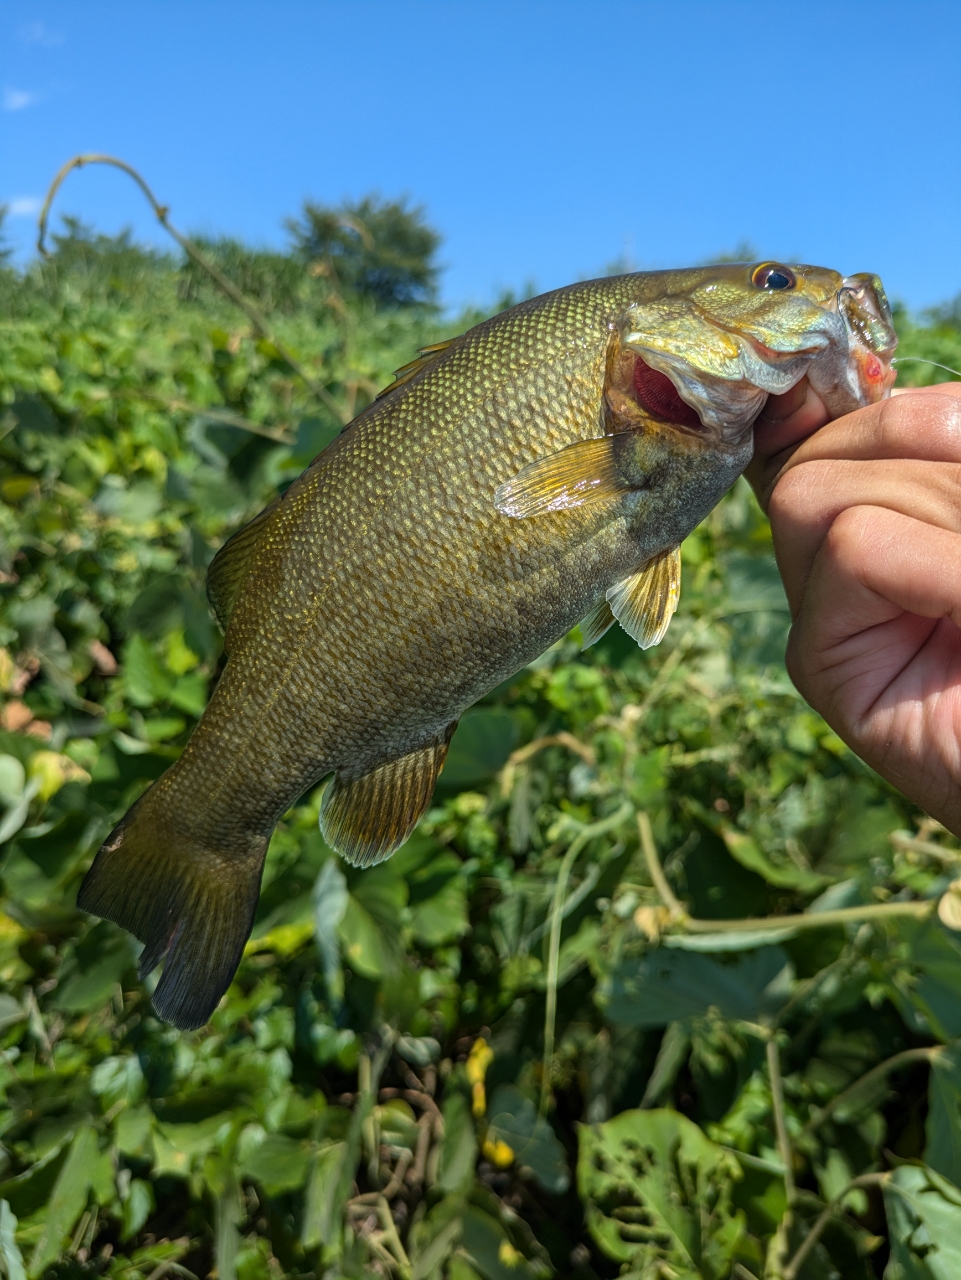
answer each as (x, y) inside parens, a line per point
(425, 356)
(229, 567)
(644, 603)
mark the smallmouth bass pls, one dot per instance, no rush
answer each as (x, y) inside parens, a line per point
(539, 471)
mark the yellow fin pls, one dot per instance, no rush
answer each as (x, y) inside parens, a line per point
(645, 602)
(583, 472)
(597, 623)
(367, 818)
(425, 356)
(229, 567)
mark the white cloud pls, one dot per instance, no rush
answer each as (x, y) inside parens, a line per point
(17, 99)
(37, 33)
(23, 206)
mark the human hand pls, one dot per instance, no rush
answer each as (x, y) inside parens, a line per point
(866, 517)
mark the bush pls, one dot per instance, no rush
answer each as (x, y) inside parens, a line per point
(499, 1054)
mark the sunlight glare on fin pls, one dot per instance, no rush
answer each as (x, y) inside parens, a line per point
(583, 472)
(645, 602)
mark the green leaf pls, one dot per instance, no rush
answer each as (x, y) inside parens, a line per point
(116, 1078)
(658, 1169)
(137, 1207)
(924, 1219)
(485, 1242)
(943, 1127)
(365, 948)
(785, 875)
(328, 1190)
(279, 1164)
(665, 986)
(438, 907)
(133, 1130)
(68, 1201)
(13, 779)
(189, 693)
(429, 1256)
(93, 968)
(459, 1153)
(145, 680)
(9, 1253)
(513, 1119)
(935, 994)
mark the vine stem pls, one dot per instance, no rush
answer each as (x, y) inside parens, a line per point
(780, 1118)
(813, 1236)
(882, 1069)
(656, 871)
(769, 924)
(554, 942)
(226, 285)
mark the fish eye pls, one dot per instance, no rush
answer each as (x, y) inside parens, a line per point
(773, 275)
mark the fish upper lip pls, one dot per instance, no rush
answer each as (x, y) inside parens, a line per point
(764, 351)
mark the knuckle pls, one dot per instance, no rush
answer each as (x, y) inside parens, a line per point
(847, 533)
(800, 491)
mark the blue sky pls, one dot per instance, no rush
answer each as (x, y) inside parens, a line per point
(544, 139)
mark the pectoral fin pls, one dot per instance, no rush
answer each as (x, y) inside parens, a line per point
(597, 623)
(583, 472)
(367, 818)
(645, 602)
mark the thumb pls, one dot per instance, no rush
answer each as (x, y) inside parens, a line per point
(784, 422)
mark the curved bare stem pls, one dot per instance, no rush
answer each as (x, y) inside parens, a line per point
(895, 1063)
(161, 212)
(813, 1236)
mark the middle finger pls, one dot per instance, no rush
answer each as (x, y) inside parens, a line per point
(811, 495)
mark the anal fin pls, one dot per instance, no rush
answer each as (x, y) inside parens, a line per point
(597, 623)
(583, 472)
(645, 602)
(368, 817)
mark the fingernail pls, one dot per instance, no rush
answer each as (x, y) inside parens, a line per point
(780, 407)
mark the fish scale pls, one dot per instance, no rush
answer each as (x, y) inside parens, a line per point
(512, 483)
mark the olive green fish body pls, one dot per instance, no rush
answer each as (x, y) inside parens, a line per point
(539, 470)
(384, 598)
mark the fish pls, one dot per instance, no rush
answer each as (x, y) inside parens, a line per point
(537, 472)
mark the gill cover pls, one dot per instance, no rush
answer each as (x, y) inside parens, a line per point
(726, 346)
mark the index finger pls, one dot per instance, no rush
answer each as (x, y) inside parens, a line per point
(923, 423)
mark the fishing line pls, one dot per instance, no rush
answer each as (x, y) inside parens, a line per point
(921, 360)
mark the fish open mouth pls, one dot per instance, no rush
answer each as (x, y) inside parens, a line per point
(658, 396)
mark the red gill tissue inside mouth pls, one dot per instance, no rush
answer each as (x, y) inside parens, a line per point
(657, 394)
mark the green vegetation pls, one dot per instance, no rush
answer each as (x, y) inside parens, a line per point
(509, 1051)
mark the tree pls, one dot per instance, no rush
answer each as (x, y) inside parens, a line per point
(373, 248)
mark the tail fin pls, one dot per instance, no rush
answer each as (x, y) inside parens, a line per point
(188, 903)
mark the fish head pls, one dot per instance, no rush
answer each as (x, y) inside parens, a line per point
(709, 345)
